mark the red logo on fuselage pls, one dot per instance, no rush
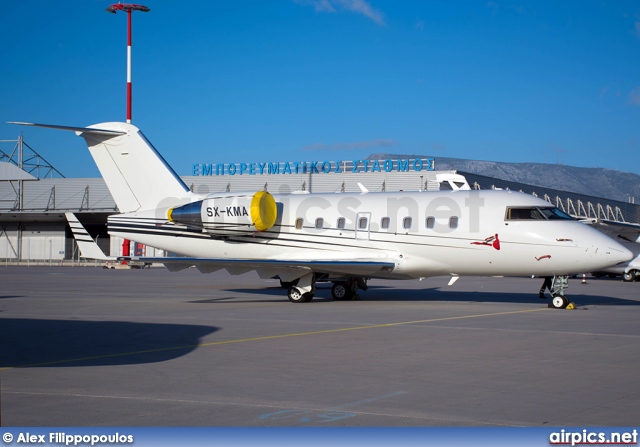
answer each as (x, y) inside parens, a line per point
(491, 241)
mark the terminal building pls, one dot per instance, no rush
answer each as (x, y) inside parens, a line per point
(34, 196)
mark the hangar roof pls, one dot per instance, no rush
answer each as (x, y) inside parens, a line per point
(10, 172)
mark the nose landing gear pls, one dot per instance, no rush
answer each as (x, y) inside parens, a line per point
(558, 287)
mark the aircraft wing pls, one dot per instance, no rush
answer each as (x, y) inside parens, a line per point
(629, 232)
(286, 269)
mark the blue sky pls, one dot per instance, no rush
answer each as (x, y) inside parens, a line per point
(282, 80)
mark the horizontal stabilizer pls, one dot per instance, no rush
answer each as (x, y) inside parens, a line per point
(88, 130)
(135, 173)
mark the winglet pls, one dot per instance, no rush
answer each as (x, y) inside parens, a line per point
(88, 247)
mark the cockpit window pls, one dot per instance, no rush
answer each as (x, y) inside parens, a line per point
(524, 214)
(536, 213)
(555, 214)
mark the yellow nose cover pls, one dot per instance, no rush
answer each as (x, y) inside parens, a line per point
(263, 210)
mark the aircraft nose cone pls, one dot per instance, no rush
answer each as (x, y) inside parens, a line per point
(618, 254)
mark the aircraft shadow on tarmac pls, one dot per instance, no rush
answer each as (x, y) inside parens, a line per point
(233, 298)
(384, 293)
(68, 343)
(491, 297)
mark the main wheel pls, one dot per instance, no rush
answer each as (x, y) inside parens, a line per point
(559, 301)
(297, 296)
(340, 291)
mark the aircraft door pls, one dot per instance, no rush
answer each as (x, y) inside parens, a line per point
(363, 221)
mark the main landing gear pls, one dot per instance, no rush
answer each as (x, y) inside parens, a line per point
(348, 290)
(296, 295)
(303, 289)
(558, 288)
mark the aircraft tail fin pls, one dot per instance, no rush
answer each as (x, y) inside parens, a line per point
(88, 247)
(135, 173)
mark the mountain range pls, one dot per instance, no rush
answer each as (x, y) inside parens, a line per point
(597, 182)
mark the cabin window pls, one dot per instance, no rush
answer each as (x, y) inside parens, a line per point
(299, 222)
(453, 222)
(406, 223)
(341, 223)
(384, 223)
(430, 222)
(319, 223)
(363, 223)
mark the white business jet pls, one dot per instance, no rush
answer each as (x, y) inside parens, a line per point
(346, 238)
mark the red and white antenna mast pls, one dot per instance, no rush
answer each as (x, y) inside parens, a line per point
(128, 8)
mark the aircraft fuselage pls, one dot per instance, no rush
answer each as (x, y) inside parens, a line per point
(422, 233)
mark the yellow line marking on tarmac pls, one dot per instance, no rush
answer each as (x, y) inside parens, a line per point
(270, 337)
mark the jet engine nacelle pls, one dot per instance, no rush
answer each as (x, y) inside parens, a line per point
(228, 215)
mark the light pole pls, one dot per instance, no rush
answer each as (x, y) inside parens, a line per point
(128, 8)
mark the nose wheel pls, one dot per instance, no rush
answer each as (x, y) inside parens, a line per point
(558, 288)
(559, 302)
